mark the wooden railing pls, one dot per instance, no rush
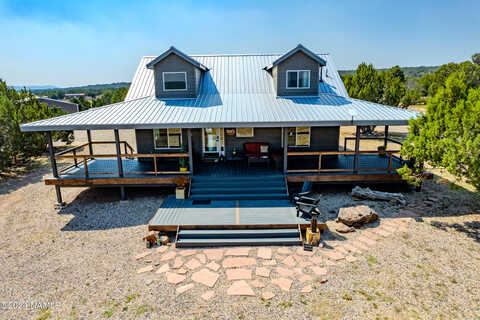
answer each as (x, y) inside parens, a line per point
(84, 159)
(370, 138)
(320, 154)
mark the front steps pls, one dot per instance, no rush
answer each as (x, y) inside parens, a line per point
(239, 188)
(238, 237)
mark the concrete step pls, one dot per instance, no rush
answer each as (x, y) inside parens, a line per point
(236, 183)
(276, 178)
(237, 189)
(240, 196)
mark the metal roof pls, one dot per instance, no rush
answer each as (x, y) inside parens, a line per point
(235, 92)
(235, 74)
(179, 53)
(298, 48)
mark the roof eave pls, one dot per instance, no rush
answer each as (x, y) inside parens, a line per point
(182, 55)
(298, 48)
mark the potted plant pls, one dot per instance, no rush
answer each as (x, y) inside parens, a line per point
(180, 181)
(381, 151)
(183, 162)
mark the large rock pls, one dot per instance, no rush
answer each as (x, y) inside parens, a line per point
(356, 216)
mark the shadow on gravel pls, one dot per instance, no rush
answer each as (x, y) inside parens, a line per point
(101, 208)
(470, 228)
(18, 182)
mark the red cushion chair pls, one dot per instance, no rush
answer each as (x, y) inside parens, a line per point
(257, 152)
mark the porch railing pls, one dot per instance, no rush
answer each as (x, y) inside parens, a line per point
(72, 154)
(320, 154)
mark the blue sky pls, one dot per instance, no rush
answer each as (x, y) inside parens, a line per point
(67, 43)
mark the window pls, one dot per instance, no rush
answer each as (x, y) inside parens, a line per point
(299, 137)
(244, 132)
(174, 81)
(167, 138)
(298, 79)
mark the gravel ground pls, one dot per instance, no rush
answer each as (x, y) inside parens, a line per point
(80, 261)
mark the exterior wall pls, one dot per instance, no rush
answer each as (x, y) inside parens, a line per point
(67, 107)
(298, 61)
(272, 136)
(174, 63)
(322, 139)
(145, 143)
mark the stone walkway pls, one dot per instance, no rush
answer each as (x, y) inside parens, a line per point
(251, 270)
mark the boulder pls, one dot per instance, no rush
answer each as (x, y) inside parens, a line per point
(342, 228)
(356, 216)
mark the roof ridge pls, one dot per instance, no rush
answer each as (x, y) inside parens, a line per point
(237, 54)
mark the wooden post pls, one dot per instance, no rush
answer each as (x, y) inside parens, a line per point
(319, 161)
(119, 158)
(357, 150)
(385, 142)
(390, 162)
(285, 150)
(85, 168)
(89, 138)
(53, 162)
(190, 152)
(155, 162)
(119, 162)
(75, 158)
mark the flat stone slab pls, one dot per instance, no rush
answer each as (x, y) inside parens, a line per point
(304, 264)
(143, 255)
(283, 283)
(305, 278)
(205, 277)
(213, 266)
(258, 284)
(208, 295)
(284, 250)
(360, 245)
(193, 264)
(239, 274)
(351, 248)
(381, 232)
(168, 256)
(187, 253)
(350, 258)
(240, 288)
(366, 240)
(237, 252)
(329, 262)
(332, 254)
(175, 278)
(316, 260)
(262, 272)
(162, 249)
(284, 272)
(214, 254)
(184, 288)
(319, 271)
(201, 257)
(163, 269)
(177, 263)
(267, 295)
(145, 269)
(264, 253)
(307, 289)
(289, 261)
(269, 262)
(181, 271)
(304, 253)
(238, 262)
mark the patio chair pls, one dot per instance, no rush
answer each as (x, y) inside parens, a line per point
(257, 152)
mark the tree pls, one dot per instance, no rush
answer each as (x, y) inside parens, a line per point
(365, 84)
(476, 59)
(448, 134)
(393, 88)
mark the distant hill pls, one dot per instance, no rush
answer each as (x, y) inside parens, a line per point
(31, 88)
(80, 89)
(410, 72)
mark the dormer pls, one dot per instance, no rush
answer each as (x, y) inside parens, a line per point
(176, 75)
(296, 73)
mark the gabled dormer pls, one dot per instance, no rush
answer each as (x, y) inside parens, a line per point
(176, 75)
(296, 73)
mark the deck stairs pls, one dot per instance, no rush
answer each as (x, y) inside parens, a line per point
(263, 187)
(238, 237)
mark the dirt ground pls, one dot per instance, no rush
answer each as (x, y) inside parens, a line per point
(78, 263)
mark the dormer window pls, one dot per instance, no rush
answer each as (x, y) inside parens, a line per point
(298, 79)
(174, 81)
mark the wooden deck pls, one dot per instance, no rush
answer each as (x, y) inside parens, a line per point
(226, 214)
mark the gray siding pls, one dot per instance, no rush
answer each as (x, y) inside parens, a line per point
(322, 139)
(298, 61)
(174, 63)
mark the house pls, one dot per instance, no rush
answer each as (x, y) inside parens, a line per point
(65, 106)
(211, 117)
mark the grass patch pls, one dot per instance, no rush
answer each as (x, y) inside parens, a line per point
(45, 315)
(130, 297)
(371, 260)
(108, 313)
(347, 297)
(141, 310)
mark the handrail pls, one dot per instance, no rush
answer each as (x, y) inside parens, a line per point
(370, 138)
(322, 153)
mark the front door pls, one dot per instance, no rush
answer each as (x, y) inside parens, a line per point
(213, 141)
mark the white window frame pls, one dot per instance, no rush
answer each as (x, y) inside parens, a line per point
(297, 87)
(248, 136)
(296, 139)
(174, 72)
(168, 140)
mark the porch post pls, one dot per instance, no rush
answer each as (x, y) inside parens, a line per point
(89, 138)
(285, 150)
(385, 142)
(53, 162)
(190, 151)
(119, 162)
(357, 150)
